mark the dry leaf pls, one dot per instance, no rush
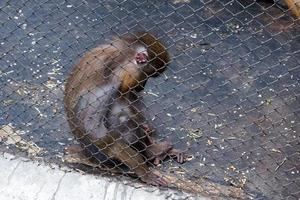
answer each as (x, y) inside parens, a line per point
(276, 150)
(13, 137)
(5, 130)
(209, 142)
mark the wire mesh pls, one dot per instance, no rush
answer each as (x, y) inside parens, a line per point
(229, 96)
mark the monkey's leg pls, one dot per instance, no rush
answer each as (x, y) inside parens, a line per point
(77, 154)
(161, 150)
(117, 148)
(158, 151)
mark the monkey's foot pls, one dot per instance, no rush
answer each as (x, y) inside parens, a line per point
(74, 149)
(154, 179)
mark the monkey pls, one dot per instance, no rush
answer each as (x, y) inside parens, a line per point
(294, 6)
(105, 110)
(276, 4)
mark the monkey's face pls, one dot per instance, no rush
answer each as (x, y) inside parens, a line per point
(141, 59)
(150, 60)
(144, 59)
(151, 55)
(141, 56)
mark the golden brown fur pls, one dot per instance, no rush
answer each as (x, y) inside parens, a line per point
(102, 92)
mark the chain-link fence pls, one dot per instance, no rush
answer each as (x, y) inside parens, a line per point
(229, 98)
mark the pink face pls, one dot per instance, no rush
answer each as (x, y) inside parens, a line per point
(141, 58)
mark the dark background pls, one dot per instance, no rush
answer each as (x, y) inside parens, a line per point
(230, 95)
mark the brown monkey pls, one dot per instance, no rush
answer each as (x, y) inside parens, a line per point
(294, 6)
(104, 108)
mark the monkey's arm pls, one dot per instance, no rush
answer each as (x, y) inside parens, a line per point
(155, 150)
(113, 146)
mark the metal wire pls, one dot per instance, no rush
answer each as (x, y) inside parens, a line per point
(230, 96)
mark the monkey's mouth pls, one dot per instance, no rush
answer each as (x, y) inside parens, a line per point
(141, 58)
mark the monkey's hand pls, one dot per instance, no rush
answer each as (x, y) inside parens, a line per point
(147, 128)
(178, 155)
(166, 150)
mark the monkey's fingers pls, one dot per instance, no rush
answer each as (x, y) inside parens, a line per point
(147, 128)
(156, 161)
(181, 157)
(162, 181)
(159, 159)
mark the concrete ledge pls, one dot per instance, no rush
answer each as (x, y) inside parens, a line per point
(29, 180)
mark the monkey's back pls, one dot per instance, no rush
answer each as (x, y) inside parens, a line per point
(99, 69)
(87, 73)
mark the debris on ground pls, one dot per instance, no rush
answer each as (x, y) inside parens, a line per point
(11, 136)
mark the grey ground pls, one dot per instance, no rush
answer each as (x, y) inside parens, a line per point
(230, 95)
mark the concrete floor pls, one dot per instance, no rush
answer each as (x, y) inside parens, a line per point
(21, 179)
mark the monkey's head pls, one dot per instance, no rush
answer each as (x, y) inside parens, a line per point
(151, 54)
(158, 57)
(148, 54)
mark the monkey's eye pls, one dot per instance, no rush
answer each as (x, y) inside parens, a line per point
(141, 58)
